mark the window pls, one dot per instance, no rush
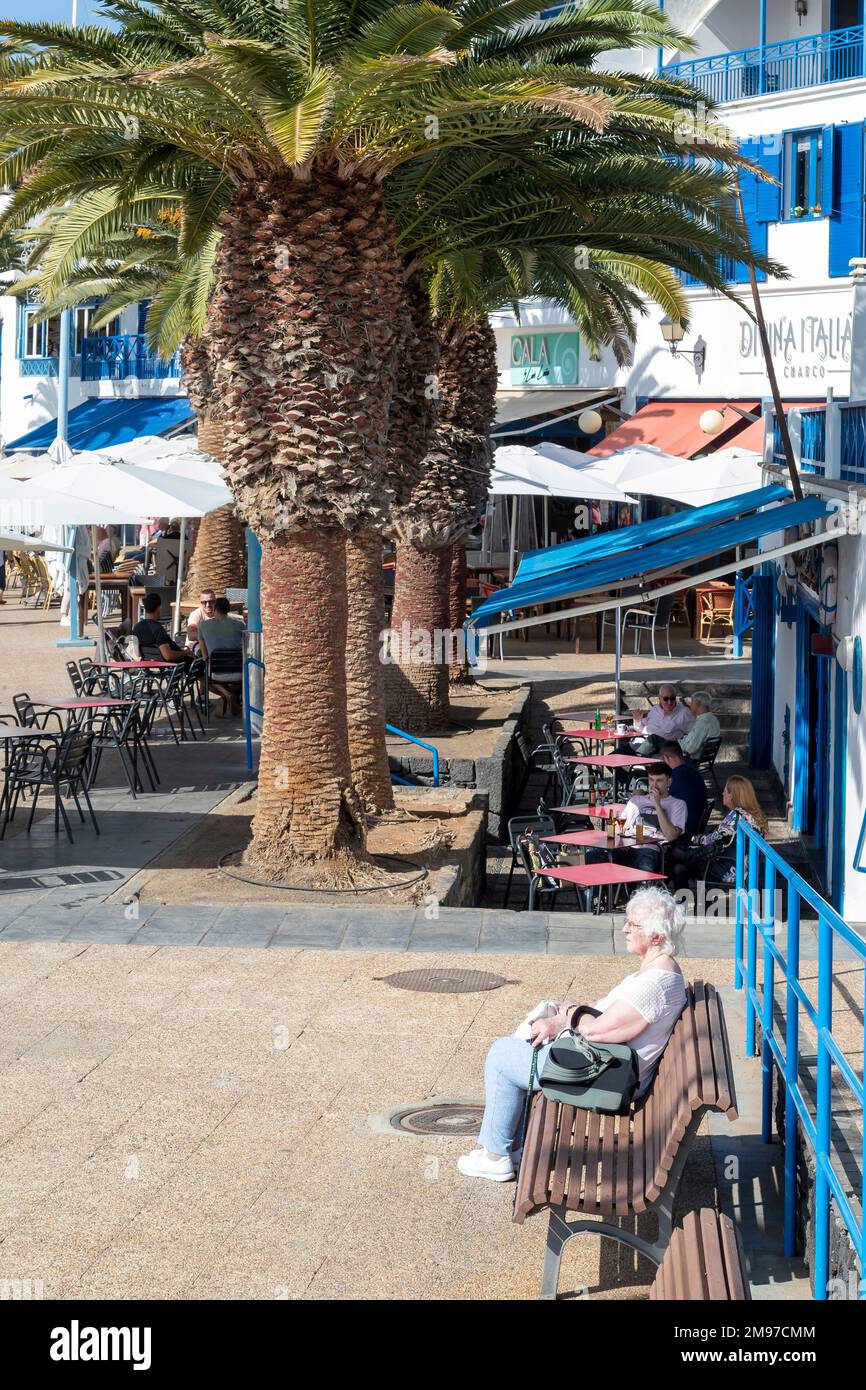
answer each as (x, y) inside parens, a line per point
(39, 339)
(803, 176)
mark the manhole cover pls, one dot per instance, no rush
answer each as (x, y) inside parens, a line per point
(449, 1120)
(445, 981)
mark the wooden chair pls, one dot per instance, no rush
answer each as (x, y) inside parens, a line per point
(575, 1161)
(704, 1262)
(715, 608)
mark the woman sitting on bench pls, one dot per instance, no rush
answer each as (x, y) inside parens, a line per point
(641, 1010)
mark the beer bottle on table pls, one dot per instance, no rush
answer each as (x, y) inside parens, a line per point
(611, 828)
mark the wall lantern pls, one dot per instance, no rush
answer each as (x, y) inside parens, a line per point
(590, 422)
(673, 332)
(801, 9)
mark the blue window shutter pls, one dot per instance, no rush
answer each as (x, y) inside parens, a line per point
(846, 221)
(761, 200)
(826, 191)
(22, 328)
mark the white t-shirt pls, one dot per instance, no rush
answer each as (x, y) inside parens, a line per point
(659, 995)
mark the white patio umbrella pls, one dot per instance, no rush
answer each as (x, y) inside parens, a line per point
(140, 491)
(25, 465)
(14, 540)
(694, 482)
(520, 471)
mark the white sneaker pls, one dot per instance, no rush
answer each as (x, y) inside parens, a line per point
(479, 1164)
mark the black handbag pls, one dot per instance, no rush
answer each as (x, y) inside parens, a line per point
(591, 1076)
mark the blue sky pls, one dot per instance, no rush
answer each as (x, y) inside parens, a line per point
(54, 11)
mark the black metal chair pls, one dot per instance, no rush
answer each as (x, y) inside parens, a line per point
(62, 766)
(116, 730)
(706, 759)
(518, 826)
(535, 858)
(224, 663)
(75, 678)
(31, 718)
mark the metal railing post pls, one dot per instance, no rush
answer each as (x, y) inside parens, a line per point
(751, 950)
(821, 1271)
(768, 933)
(738, 928)
(792, 1070)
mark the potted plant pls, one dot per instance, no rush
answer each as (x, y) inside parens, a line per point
(799, 211)
(816, 210)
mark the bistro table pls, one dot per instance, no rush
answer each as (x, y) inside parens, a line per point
(592, 812)
(600, 735)
(612, 762)
(83, 702)
(131, 665)
(592, 876)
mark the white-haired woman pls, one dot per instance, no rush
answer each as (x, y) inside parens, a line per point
(641, 1010)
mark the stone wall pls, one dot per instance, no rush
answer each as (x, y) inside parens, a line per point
(461, 880)
(499, 774)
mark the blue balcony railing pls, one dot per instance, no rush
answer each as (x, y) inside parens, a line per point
(853, 443)
(811, 61)
(122, 355)
(804, 1039)
(813, 440)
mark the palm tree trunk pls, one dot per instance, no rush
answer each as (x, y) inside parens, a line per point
(306, 806)
(218, 558)
(365, 690)
(459, 672)
(416, 678)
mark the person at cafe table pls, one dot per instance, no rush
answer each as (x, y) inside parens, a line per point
(668, 720)
(664, 818)
(154, 642)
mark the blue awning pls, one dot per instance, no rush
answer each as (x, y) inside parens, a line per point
(95, 424)
(644, 562)
(572, 553)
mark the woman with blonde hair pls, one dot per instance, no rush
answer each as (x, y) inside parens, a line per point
(714, 857)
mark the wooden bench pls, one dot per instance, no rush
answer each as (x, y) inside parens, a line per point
(622, 1165)
(703, 1263)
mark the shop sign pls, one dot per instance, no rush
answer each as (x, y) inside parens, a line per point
(544, 359)
(805, 347)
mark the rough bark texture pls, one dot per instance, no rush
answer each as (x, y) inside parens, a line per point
(305, 328)
(306, 807)
(437, 505)
(416, 678)
(365, 691)
(458, 672)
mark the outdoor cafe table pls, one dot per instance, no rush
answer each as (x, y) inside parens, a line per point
(598, 875)
(83, 702)
(592, 812)
(10, 734)
(597, 839)
(601, 735)
(131, 665)
(612, 762)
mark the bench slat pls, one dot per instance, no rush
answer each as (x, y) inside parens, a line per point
(704, 1262)
(623, 1154)
(564, 1141)
(735, 1264)
(724, 1061)
(591, 1163)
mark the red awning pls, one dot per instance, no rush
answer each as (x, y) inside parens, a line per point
(673, 427)
(752, 436)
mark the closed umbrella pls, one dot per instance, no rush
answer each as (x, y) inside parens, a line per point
(693, 482)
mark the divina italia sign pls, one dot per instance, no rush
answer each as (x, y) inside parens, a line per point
(548, 359)
(808, 347)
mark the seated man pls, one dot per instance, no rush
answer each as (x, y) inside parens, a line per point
(687, 784)
(669, 719)
(664, 819)
(706, 726)
(153, 641)
(205, 610)
(223, 635)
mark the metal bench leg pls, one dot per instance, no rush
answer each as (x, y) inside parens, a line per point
(560, 1232)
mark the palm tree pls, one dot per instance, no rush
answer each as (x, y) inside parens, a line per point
(281, 124)
(282, 129)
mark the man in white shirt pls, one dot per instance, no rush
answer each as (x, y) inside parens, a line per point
(655, 808)
(705, 727)
(668, 720)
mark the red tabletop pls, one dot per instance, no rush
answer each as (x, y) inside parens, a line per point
(131, 665)
(85, 702)
(603, 735)
(614, 760)
(597, 875)
(591, 812)
(597, 839)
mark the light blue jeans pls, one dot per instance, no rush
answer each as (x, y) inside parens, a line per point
(506, 1078)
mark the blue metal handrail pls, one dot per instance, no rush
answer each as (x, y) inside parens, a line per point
(808, 61)
(114, 357)
(248, 708)
(410, 738)
(853, 442)
(758, 866)
(744, 610)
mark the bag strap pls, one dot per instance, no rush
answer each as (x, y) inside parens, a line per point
(524, 1122)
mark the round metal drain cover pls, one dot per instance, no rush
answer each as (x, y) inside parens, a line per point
(445, 981)
(451, 1120)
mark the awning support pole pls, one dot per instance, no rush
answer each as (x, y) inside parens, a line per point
(617, 617)
(175, 627)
